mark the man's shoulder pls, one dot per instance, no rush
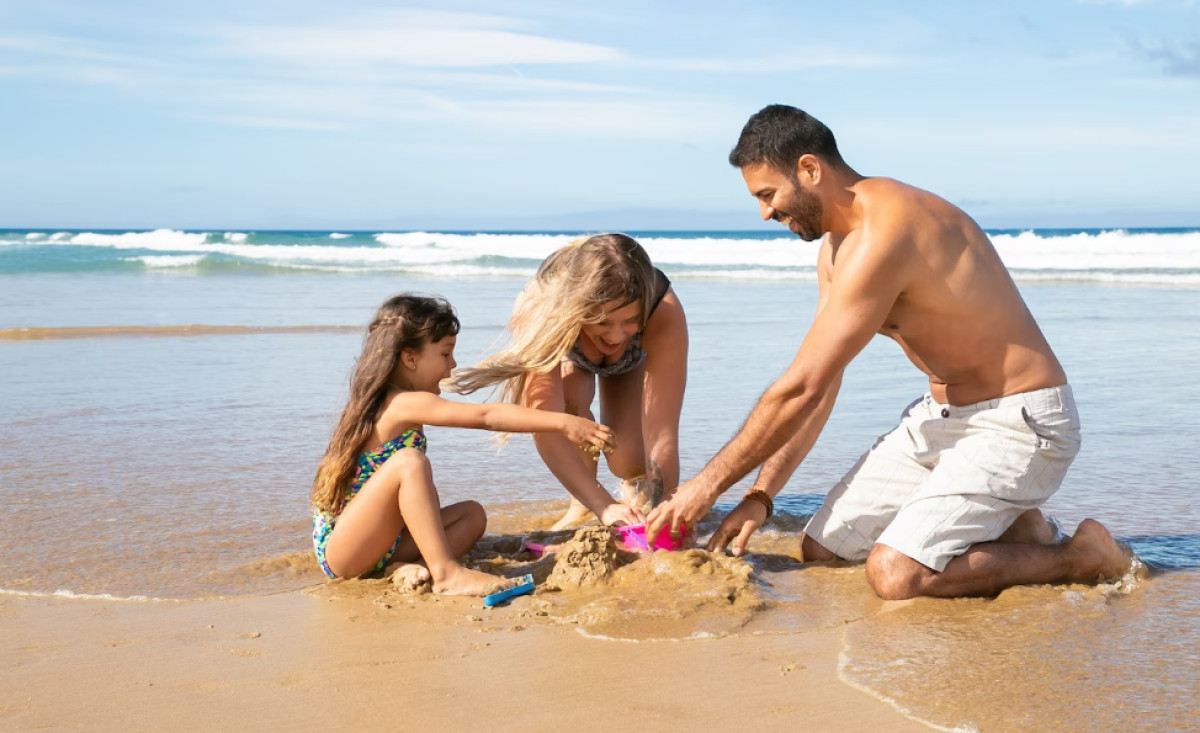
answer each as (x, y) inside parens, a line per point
(891, 205)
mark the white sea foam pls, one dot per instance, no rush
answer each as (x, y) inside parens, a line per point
(31, 236)
(78, 596)
(1116, 257)
(165, 240)
(168, 261)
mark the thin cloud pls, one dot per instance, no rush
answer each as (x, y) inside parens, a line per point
(1180, 60)
(811, 59)
(413, 40)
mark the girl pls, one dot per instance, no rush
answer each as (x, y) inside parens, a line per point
(374, 502)
(598, 314)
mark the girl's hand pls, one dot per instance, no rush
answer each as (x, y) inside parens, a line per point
(617, 513)
(588, 435)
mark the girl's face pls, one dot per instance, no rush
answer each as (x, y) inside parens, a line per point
(611, 335)
(424, 369)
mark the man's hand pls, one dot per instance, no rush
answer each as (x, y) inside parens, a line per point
(739, 524)
(688, 505)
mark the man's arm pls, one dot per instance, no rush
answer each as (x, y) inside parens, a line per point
(871, 274)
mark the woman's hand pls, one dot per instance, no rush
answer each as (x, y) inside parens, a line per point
(617, 513)
(738, 525)
(590, 436)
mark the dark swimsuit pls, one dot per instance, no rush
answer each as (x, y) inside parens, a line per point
(634, 354)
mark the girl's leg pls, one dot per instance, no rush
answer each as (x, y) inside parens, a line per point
(401, 495)
(423, 520)
(463, 524)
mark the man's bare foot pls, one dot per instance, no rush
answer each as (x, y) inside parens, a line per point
(1098, 557)
(1031, 528)
(460, 581)
(408, 576)
(576, 515)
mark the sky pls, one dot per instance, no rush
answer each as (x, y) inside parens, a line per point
(562, 115)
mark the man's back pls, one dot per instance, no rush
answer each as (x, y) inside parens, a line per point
(959, 317)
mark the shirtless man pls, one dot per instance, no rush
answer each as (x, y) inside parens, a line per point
(945, 504)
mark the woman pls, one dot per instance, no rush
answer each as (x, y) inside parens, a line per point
(599, 315)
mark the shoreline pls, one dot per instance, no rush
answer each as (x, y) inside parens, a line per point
(300, 659)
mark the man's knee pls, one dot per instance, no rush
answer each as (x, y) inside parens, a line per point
(894, 576)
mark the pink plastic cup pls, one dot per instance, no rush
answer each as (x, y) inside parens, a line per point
(633, 536)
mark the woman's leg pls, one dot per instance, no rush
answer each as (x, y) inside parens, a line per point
(578, 392)
(621, 410)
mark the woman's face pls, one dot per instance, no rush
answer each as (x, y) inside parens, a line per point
(611, 335)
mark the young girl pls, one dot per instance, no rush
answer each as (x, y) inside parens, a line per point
(374, 502)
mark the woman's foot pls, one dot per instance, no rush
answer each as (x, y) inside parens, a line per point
(461, 581)
(408, 576)
(576, 515)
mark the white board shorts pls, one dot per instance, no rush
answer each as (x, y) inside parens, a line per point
(949, 477)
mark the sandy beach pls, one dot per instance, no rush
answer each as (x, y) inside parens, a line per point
(182, 485)
(309, 660)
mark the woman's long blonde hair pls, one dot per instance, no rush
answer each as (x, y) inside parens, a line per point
(403, 322)
(570, 289)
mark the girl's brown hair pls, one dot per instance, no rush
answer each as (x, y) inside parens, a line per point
(403, 323)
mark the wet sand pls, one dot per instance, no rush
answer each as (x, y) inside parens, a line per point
(326, 662)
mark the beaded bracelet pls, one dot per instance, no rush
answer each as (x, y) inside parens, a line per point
(761, 497)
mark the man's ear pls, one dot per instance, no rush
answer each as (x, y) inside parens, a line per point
(809, 169)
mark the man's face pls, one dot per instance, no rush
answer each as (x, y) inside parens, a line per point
(785, 200)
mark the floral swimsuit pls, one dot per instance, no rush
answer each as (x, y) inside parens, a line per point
(368, 463)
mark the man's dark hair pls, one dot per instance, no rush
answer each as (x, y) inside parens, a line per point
(778, 135)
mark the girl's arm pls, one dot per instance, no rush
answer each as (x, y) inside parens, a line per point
(428, 409)
(545, 392)
(665, 341)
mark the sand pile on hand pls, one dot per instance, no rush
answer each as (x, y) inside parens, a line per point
(587, 559)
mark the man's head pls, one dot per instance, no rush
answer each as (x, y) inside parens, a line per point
(784, 154)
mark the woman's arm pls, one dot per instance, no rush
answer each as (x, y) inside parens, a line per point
(429, 409)
(665, 341)
(575, 472)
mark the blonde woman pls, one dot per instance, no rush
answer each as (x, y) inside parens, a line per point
(599, 317)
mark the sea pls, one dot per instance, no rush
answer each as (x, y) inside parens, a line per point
(166, 395)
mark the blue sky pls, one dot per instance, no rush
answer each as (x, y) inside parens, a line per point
(373, 115)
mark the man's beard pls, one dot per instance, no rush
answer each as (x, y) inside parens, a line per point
(806, 211)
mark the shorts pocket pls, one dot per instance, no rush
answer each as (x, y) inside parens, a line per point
(1055, 434)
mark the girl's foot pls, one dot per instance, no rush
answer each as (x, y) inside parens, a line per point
(408, 576)
(460, 581)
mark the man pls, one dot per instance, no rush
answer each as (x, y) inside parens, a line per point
(946, 504)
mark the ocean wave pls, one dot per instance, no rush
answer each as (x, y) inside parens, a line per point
(168, 261)
(1154, 258)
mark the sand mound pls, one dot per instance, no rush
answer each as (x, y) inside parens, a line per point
(588, 559)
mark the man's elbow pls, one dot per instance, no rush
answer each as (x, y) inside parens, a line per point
(793, 398)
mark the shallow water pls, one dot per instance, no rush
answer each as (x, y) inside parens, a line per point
(177, 465)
